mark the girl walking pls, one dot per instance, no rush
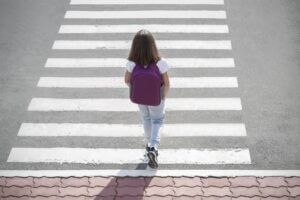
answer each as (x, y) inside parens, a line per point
(147, 77)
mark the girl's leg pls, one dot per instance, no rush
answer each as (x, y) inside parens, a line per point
(146, 121)
(157, 115)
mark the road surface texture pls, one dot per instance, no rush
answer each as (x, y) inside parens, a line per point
(233, 108)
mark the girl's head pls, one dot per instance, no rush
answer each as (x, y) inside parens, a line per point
(143, 48)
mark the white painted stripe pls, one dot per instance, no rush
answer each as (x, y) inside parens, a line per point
(156, 172)
(154, 28)
(126, 44)
(130, 130)
(120, 62)
(128, 2)
(118, 82)
(121, 105)
(146, 14)
(121, 156)
(210, 130)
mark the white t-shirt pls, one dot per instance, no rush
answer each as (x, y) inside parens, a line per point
(161, 64)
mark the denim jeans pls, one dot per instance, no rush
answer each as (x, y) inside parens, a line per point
(153, 118)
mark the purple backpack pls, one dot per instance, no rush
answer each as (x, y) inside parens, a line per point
(145, 85)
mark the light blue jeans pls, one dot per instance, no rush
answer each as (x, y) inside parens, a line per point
(153, 118)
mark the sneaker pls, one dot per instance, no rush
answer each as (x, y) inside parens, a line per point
(148, 149)
(152, 155)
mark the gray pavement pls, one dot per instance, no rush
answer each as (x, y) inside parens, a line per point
(265, 46)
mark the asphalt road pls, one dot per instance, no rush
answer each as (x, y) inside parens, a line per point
(265, 46)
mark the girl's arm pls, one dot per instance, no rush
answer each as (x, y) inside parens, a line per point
(166, 86)
(127, 78)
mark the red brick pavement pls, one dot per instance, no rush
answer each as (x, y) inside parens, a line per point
(151, 188)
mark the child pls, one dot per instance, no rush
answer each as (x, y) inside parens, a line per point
(144, 58)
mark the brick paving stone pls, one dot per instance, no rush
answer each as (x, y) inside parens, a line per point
(17, 198)
(293, 181)
(275, 198)
(72, 198)
(43, 198)
(106, 198)
(187, 181)
(73, 191)
(129, 198)
(159, 181)
(188, 191)
(47, 182)
(100, 198)
(275, 192)
(216, 198)
(187, 198)
(155, 197)
(245, 181)
(1, 192)
(245, 191)
(216, 182)
(2, 181)
(130, 191)
(160, 191)
(271, 181)
(102, 181)
(246, 198)
(102, 191)
(216, 191)
(75, 182)
(131, 181)
(18, 181)
(295, 198)
(16, 191)
(294, 191)
(44, 191)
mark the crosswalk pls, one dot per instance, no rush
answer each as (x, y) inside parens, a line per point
(117, 82)
(125, 44)
(78, 34)
(123, 105)
(130, 130)
(119, 156)
(129, 2)
(117, 62)
(146, 14)
(133, 28)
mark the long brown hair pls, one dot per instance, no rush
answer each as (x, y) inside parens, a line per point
(143, 48)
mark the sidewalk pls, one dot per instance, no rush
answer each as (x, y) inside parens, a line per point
(154, 188)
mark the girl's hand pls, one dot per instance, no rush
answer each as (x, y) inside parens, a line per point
(127, 78)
